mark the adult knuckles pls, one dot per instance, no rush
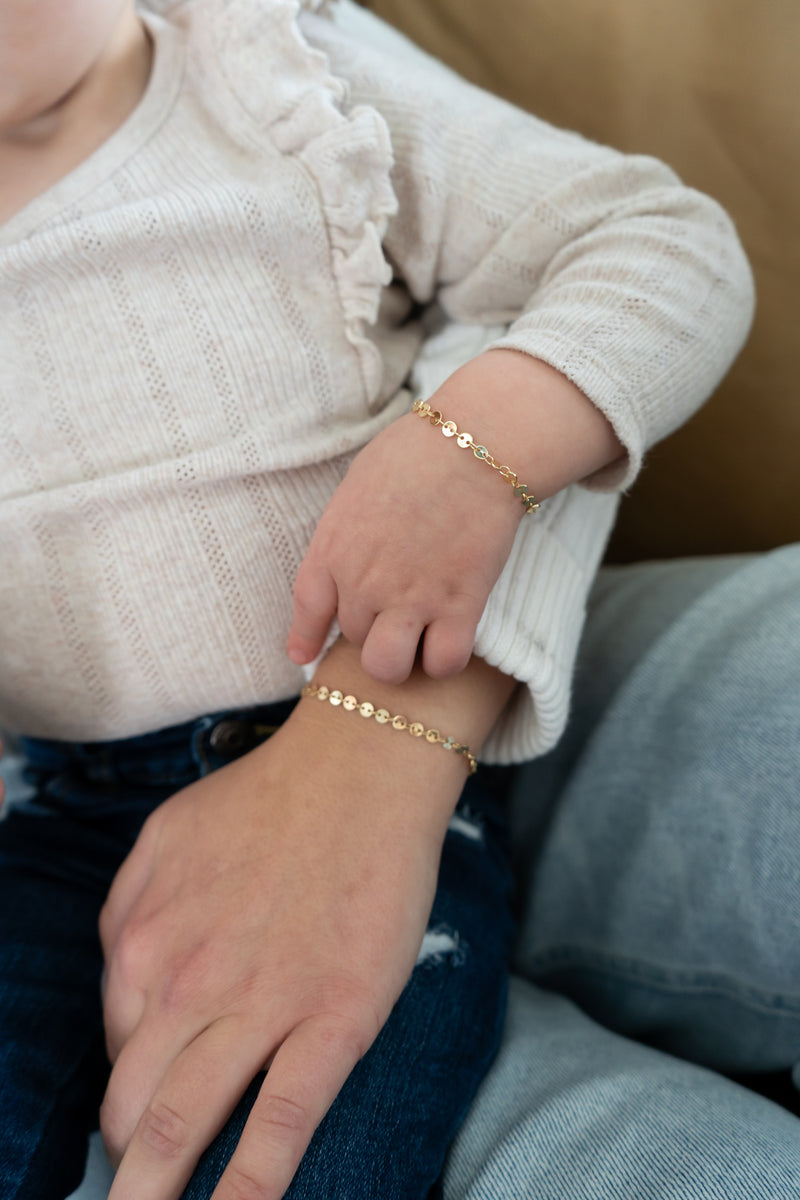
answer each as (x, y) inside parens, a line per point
(238, 1184)
(348, 1016)
(348, 1037)
(189, 977)
(134, 952)
(283, 1128)
(282, 1119)
(164, 1131)
(146, 953)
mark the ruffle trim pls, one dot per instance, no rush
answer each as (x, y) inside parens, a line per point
(254, 60)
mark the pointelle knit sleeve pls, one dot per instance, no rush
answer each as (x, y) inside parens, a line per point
(601, 264)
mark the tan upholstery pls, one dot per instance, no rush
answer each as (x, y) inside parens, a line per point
(710, 87)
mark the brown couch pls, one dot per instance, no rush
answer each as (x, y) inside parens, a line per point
(708, 86)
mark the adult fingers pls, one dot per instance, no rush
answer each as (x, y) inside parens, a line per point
(124, 950)
(129, 882)
(391, 645)
(184, 1113)
(304, 1079)
(315, 602)
(142, 1060)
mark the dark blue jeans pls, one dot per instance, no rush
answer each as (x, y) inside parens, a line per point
(386, 1135)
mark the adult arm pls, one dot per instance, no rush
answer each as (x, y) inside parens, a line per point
(271, 914)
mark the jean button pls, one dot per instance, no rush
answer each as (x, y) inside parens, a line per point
(230, 738)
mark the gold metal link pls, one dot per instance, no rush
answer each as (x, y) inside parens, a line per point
(466, 441)
(416, 729)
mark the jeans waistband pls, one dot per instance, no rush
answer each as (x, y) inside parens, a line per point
(192, 748)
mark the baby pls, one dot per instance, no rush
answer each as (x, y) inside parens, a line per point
(228, 229)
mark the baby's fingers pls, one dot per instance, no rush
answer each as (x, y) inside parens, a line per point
(390, 647)
(448, 645)
(315, 603)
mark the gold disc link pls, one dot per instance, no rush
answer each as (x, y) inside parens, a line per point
(350, 703)
(467, 442)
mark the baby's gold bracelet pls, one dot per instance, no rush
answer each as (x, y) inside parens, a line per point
(466, 441)
(384, 717)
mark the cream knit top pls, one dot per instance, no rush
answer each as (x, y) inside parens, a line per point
(203, 322)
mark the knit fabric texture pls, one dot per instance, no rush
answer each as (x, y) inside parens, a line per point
(204, 321)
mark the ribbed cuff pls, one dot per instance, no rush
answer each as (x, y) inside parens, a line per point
(533, 621)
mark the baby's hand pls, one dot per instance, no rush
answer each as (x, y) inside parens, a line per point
(416, 535)
(409, 547)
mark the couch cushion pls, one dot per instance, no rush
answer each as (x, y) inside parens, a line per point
(709, 88)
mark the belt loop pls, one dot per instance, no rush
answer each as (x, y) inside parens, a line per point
(198, 744)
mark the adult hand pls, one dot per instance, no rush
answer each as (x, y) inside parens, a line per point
(259, 921)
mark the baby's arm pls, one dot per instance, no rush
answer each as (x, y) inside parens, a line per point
(631, 286)
(418, 532)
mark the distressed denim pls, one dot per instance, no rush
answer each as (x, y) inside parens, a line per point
(657, 851)
(657, 997)
(61, 843)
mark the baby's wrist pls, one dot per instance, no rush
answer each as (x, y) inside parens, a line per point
(436, 464)
(464, 440)
(530, 417)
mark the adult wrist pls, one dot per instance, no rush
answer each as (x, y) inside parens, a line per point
(392, 722)
(465, 707)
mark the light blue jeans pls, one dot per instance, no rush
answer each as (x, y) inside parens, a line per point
(658, 849)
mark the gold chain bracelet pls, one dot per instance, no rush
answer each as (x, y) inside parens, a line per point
(467, 442)
(384, 717)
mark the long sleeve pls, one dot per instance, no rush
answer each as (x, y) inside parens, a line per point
(275, 175)
(603, 265)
